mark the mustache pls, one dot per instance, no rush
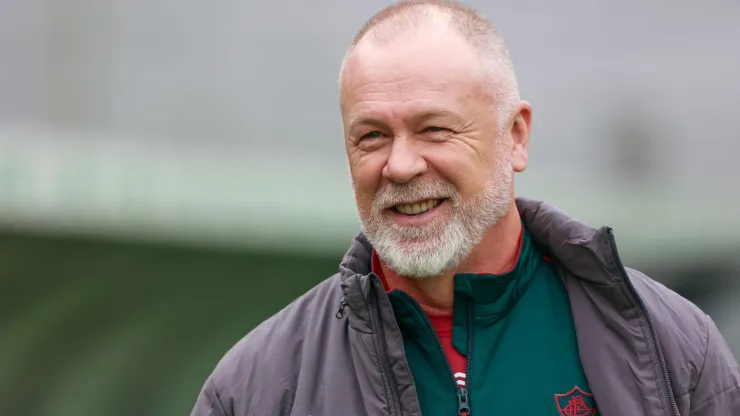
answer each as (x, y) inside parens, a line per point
(394, 194)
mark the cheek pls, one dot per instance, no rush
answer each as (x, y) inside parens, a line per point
(367, 171)
(466, 170)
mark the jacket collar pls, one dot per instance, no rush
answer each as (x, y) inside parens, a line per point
(584, 251)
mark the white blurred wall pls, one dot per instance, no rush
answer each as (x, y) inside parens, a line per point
(634, 105)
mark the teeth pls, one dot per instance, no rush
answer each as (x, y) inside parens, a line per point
(417, 208)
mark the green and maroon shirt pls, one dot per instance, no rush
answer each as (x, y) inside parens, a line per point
(508, 348)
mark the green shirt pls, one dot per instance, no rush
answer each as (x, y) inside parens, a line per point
(516, 331)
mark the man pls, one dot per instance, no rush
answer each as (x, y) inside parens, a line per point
(457, 298)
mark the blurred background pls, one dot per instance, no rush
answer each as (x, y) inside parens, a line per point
(173, 172)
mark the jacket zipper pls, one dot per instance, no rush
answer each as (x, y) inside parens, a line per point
(463, 393)
(651, 325)
(378, 323)
(340, 311)
(463, 398)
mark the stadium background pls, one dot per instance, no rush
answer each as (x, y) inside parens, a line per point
(172, 173)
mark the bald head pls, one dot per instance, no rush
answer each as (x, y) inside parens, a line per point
(397, 22)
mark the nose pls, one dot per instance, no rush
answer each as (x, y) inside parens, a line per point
(404, 162)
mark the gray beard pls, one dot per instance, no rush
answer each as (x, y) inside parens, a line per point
(445, 243)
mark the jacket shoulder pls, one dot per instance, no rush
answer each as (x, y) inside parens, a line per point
(705, 375)
(682, 328)
(261, 369)
(666, 304)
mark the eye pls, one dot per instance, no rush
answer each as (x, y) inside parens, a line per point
(434, 129)
(372, 135)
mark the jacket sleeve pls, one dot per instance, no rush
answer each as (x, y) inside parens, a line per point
(208, 402)
(717, 392)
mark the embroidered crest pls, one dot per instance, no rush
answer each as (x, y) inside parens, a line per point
(576, 403)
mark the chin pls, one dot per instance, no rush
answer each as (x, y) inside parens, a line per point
(417, 270)
(419, 241)
(421, 267)
(419, 259)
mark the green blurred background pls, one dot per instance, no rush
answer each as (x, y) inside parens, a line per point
(172, 173)
(92, 327)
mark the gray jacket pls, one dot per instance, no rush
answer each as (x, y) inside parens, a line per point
(337, 350)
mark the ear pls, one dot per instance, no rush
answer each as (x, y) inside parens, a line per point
(520, 129)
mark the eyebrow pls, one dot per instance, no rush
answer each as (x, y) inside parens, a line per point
(416, 118)
(434, 113)
(369, 121)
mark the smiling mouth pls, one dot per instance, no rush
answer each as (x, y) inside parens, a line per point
(418, 208)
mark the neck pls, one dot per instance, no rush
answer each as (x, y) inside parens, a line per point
(495, 254)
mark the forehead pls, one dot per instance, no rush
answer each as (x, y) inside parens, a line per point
(416, 66)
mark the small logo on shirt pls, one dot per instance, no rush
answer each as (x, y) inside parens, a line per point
(460, 379)
(576, 403)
